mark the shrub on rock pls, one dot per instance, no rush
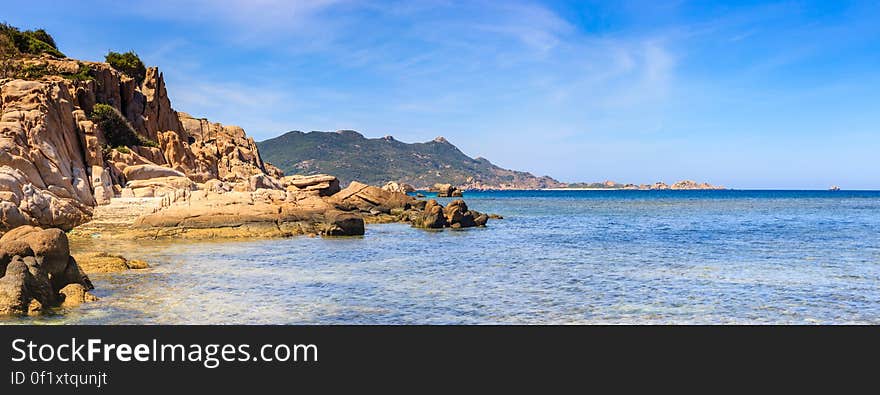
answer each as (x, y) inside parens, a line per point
(129, 63)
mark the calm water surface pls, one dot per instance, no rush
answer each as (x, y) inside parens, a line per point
(558, 257)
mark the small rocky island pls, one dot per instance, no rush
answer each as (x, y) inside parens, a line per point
(95, 150)
(657, 186)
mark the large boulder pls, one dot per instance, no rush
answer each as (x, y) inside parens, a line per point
(147, 171)
(263, 181)
(447, 190)
(392, 186)
(35, 264)
(49, 244)
(326, 185)
(370, 199)
(160, 186)
(432, 216)
(340, 223)
(235, 214)
(15, 292)
(457, 215)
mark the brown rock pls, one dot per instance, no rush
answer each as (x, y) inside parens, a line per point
(444, 190)
(102, 262)
(15, 295)
(480, 219)
(432, 216)
(392, 186)
(366, 198)
(343, 224)
(75, 295)
(456, 212)
(50, 244)
(326, 185)
(25, 287)
(263, 181)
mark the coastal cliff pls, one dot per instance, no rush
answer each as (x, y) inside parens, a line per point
(57, 164)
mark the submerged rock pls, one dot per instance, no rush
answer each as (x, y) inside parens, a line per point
(102, 262)
(75, 294)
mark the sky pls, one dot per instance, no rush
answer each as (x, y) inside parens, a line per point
(747, 94)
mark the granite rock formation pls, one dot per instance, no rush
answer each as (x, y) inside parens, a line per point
(56, 164)
(36, 266)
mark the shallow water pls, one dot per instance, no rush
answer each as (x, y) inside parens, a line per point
(558, 257)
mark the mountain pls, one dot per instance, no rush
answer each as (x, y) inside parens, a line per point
(352, 157)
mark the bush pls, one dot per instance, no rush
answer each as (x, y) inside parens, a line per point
(33, 72)
(41, 35)
(117, 130)
(128, 63)
(33, 42)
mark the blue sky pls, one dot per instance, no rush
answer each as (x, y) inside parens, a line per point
(745, 94)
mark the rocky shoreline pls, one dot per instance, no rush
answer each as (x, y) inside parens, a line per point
(63, 168)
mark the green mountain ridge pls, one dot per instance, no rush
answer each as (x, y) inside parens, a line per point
(352, 157)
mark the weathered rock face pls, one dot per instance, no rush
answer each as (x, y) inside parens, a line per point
(55, 164)
(43, 176)
(36, 265)
(217, 151)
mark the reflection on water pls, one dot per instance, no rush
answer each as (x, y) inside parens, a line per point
(558, 257)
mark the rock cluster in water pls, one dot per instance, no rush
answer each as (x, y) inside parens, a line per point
(447, 190)
(455, 215)
(38, 272)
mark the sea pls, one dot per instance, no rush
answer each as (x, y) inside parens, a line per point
(557, 257)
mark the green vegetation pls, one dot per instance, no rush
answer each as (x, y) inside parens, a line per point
(118, 132)
(128, 63)
(16, 44)
(351, 157)
(33, 71)
(83, 74)
(32, 42)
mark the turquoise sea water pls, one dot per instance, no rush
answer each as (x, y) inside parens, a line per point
(558, 257)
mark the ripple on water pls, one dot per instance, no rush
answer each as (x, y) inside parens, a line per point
(557, 257)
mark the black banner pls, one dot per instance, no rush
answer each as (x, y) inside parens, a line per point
(38, 359)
